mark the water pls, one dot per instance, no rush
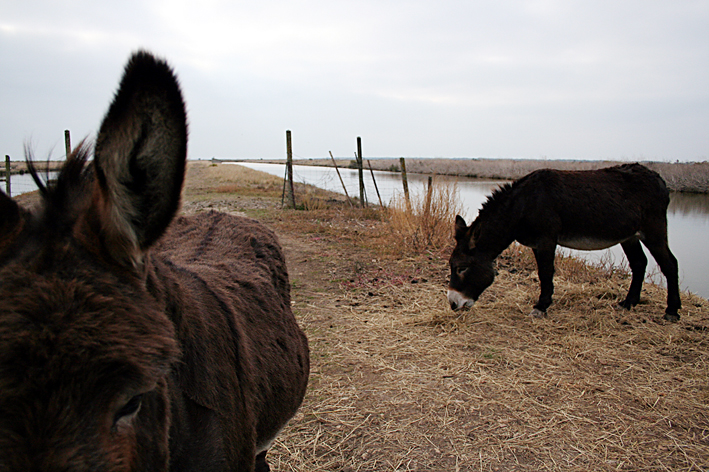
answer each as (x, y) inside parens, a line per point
(473, 192)
(687, 216)
(23, 183)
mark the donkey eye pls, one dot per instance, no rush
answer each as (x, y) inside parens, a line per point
(128, 411)
(461, 271)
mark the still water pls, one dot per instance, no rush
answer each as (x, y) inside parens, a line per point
(687, 216)
(24, 183)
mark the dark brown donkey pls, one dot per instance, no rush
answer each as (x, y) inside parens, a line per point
(586, 210)
(128, 345)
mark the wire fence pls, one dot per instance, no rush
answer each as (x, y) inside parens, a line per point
(19, 184)
(16, 180)
(388, 184)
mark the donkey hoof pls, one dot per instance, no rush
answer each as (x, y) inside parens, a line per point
(537, 313)
(672, 317)
(625, 304)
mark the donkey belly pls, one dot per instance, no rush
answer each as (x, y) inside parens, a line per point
(588, 243)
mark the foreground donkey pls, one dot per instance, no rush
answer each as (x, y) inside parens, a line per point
(126, 345)
(586, 210)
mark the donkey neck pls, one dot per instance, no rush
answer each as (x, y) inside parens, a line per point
(494, 239)
(498, 220)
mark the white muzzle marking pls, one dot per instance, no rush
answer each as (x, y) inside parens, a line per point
(458, 301)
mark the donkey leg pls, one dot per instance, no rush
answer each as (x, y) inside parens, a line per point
(638, 262)
(669, 267)
(545, 269)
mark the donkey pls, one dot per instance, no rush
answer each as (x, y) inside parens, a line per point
(128, 343)
(585, 210)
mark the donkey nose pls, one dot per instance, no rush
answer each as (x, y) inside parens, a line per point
(454, 305)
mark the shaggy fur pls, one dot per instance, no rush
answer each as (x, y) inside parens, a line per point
(128, 345)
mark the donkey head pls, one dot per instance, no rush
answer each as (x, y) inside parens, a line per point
(85, 351)
(471, 268)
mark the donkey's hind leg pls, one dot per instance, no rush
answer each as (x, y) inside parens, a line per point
(668, 265)
(637, 262)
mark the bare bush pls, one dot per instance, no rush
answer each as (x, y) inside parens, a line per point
(424, 222)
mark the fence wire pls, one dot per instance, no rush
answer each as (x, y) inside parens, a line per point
(22, 183)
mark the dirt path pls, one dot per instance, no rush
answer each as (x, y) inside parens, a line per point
(361, 413)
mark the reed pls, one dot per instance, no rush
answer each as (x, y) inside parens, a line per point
(690, 177)
(426, 222)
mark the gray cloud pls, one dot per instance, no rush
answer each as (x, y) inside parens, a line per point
(589, 79)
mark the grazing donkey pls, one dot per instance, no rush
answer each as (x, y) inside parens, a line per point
(587, 210)
(128, 345)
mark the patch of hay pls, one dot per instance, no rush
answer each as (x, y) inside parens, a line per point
(400, 382)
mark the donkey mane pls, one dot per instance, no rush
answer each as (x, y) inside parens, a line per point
(497, 199)
(64, 198)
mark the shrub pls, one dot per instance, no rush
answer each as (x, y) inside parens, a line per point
(425, 223)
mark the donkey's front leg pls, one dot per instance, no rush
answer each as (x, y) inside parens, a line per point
(637, 262)
(545, 269)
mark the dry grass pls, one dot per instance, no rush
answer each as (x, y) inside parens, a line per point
(687, 177)
(223, 187)
(423, 223)
(399, 382)
(208, 180)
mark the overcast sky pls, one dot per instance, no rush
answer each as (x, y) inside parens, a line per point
(556, 79)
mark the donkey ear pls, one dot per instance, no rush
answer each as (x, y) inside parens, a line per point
(474, 232)
(140, 158)
(466, 235)
(460, 227)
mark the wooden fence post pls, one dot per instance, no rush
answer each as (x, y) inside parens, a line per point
(405, 181)
(360, 167)
(67, 142)
(428, 223)
(429, 195)
(289, 170)
(8, 188)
